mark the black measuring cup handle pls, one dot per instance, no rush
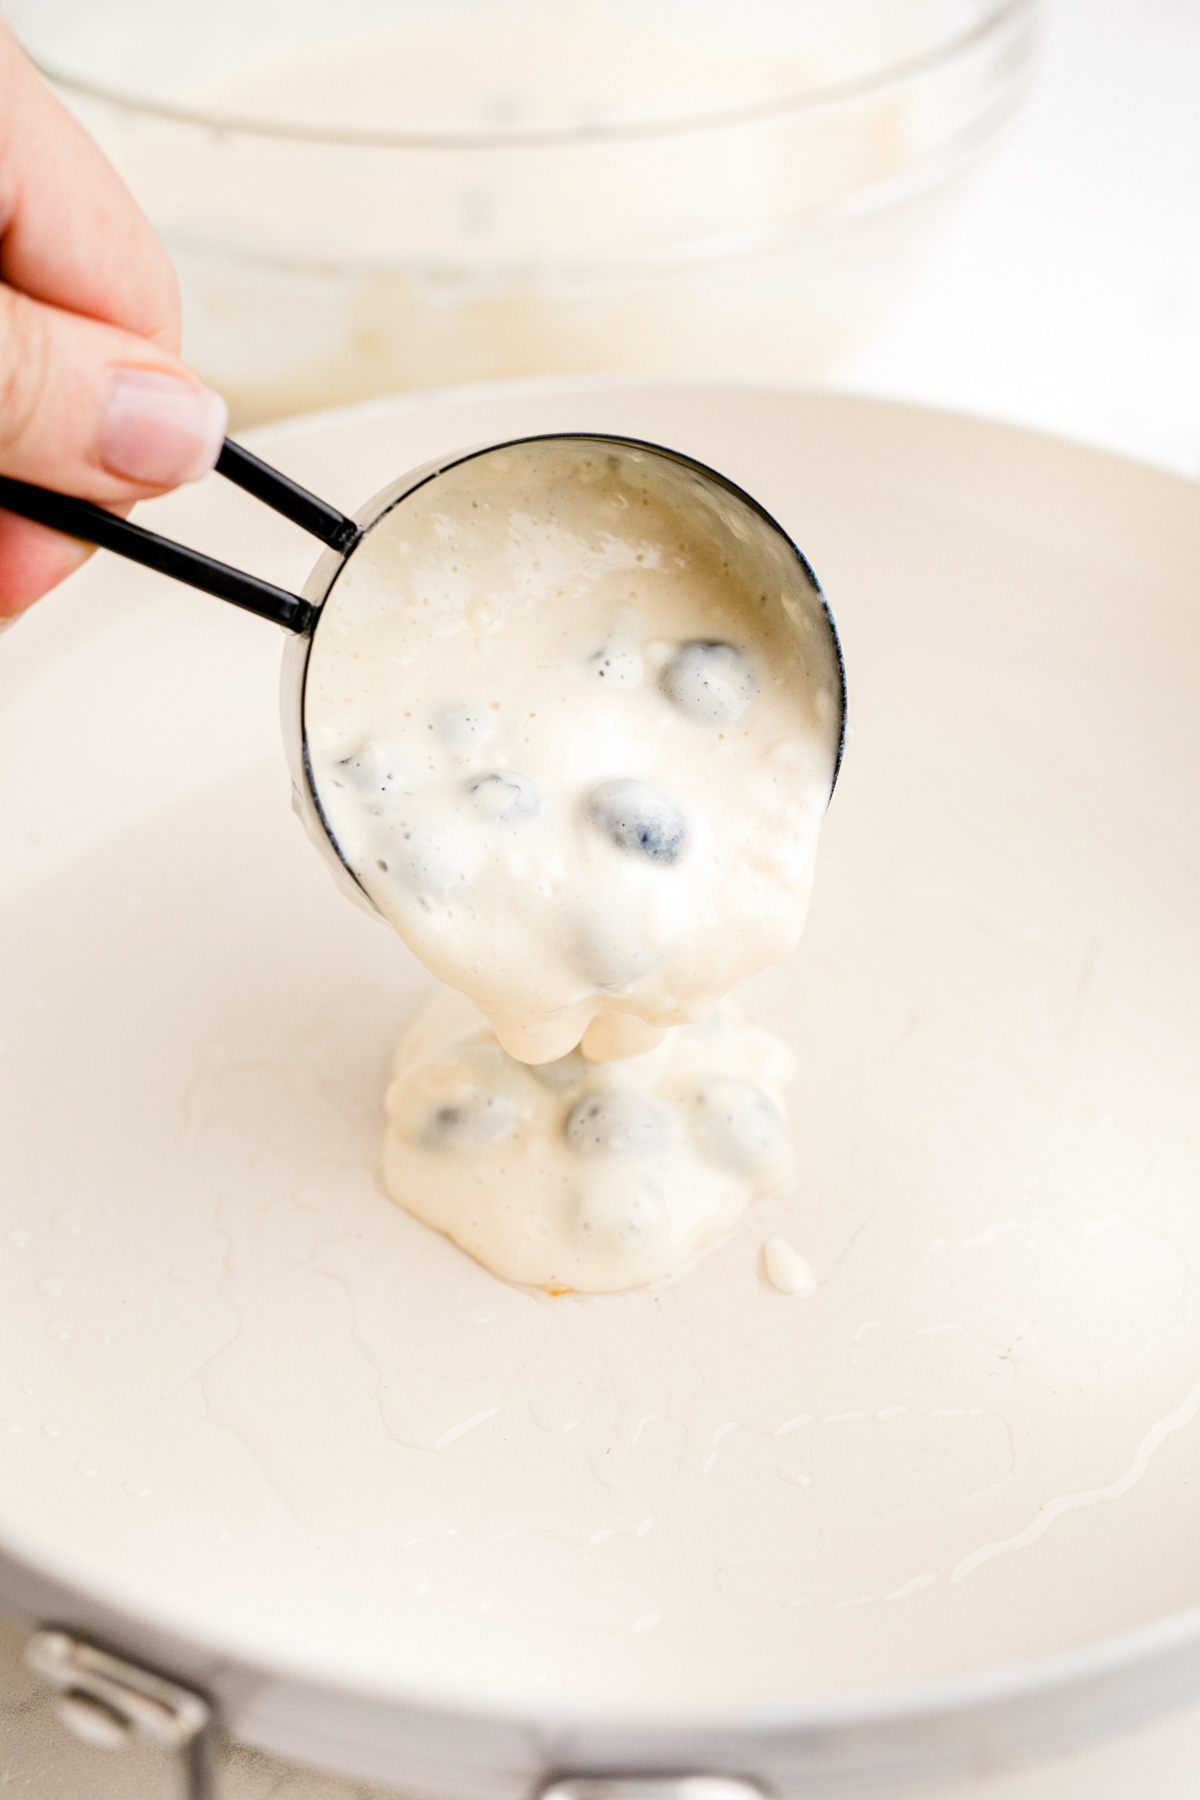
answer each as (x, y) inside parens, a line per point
(80, 519)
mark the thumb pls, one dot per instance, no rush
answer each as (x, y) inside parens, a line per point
(90, 410)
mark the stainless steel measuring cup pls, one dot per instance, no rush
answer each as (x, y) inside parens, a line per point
(771, 555)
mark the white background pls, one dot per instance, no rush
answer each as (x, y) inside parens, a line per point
(1067, 297)
(1068, 293)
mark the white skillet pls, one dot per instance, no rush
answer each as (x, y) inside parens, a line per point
(935, 1519)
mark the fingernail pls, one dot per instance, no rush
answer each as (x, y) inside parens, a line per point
(158, 429)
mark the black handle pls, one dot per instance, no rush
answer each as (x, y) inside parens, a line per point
(287, 497)
(80, 519)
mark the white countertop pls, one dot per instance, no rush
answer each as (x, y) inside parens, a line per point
(1066, 297)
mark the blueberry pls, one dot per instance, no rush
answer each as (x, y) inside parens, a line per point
(711, 682)
(373, 771)
(639, 818)
(612, 954)
(465, 728)
(616, 1122)
(475, 1122)
(507, 797)
(435, 864)
(619, 1208)
(736, 1124)
(618, 665)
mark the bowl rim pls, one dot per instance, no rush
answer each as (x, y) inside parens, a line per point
(997, 20)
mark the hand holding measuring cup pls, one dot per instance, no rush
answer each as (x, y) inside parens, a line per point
(94, 400)
(758, 554)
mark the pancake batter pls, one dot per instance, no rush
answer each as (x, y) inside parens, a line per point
(574, 736)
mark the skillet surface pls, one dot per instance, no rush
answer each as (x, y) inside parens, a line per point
(243, 1396)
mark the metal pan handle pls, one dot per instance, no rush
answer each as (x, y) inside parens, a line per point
(109, 1702)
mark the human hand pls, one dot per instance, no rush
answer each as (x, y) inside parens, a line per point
(94, 400)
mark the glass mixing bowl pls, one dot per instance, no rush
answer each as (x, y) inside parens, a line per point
(398, 193)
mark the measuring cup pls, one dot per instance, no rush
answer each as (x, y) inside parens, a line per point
(770, 554)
